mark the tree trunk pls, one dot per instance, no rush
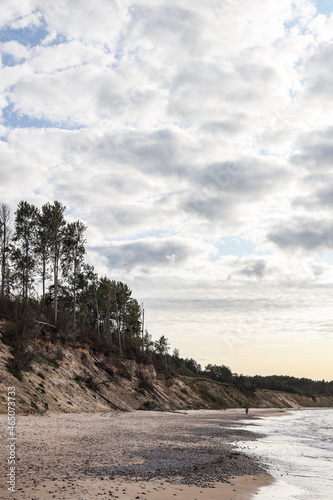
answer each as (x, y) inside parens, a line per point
(43, 282)
(3, 259)
(56, 266)
(74, 294)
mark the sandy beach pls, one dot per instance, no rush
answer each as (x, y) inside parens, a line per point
(139, 455)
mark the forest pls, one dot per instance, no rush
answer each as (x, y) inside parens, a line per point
(43, 266)
(45, 281)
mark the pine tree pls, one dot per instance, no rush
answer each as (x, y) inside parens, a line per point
(54, 217)
(24, 255)
(73, 257)
(43, 247)
(5, 238)
(87, 299)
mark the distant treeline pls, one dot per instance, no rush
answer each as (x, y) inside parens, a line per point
(293, 385)
(248, 384)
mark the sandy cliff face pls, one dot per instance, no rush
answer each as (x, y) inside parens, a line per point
(75, 380)
(72, 379)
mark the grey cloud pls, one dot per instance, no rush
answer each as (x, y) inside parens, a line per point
(253, 73)
(318, 270)
(315, 154)
(325, 195)
(320, 196)
(203, 89)
(164, 252)
(230, 126)
(254, 268)
(162, 152)
(316, 151)
(159, 152)
(318, 72)
(248, 177)
(303, 233)
(198, 87)
(228, 190)
(171, 25)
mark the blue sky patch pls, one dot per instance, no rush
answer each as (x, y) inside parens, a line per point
(324, 6)
(30, 36)
(233, 246)
(8, 60)
(14, 119)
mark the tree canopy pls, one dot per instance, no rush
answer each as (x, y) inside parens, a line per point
(43, 260)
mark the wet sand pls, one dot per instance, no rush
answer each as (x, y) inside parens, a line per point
(146, 455)
(240, 488)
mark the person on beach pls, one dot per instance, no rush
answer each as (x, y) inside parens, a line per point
(246, 410)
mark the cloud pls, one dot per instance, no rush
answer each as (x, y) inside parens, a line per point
(256, 268)
(151, 253)
(318, 72)
(99, 23)
(305, 233)
(229, 194)
(315, 150)
(16, 50)
(9, 11)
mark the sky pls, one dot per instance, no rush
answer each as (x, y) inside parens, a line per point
(195, 141)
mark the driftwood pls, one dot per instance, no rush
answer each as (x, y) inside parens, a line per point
(114, 406)
(46, 324)
(93, 356)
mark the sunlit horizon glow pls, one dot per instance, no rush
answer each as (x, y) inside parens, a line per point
(195, 142)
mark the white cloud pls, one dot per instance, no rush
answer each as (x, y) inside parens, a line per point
(10, 11)
(15, 49)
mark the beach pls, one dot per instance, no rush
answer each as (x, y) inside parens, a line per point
(146, 455)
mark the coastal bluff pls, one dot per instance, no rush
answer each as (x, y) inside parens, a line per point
(73, 379)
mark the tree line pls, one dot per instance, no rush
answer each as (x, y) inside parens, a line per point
(249, 384)
(43, 261)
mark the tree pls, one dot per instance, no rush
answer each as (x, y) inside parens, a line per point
(192, 365)
(106, 299)
(122, 295)
(220, 373)
(43, 248)
(148, 342)
(5, 237)
(54, 214)
(175, 354)
(87, 303)
(24, 256)
(73, 257)
(133, 317)
(162, 347)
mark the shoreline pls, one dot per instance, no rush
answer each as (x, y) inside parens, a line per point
(298, 453)
(150, 455)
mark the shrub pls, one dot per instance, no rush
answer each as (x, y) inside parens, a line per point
(125, 373)
(91, 384)
(169, 382)
(144, 382)
(106, 367)
(14, 370)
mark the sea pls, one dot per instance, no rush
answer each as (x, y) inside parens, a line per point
(298, 451)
